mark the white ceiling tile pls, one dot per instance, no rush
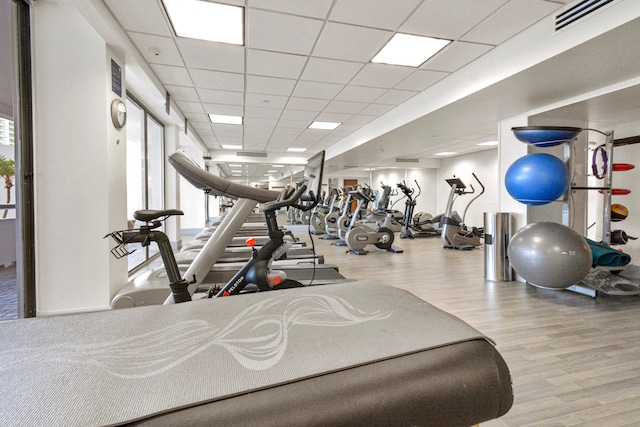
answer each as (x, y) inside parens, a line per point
(377, 109)
(360, 93)
(421, 80)
(190, 107)
(349, 127)
(382, 75)
(157, 49)
(330, 70)
(270, 85)
(349, 42)
(256, 121)
(182, 93)
(220, 96)
(143, 16)
(212, 56)
(217, 80)
(228, 131)
(258, 112)
(449, 19)
(318, 90)
(266, 101)
(373, 13)
(197, 117)
(361, 119)
(172, 75)
(201, 127)
(513, 18)
(298, 115)
(456, 56)
(273, 64)
(224, 109)
(345, 107)
(308, 104)
(334, 117)
(296, 125)
(396, 97)
(314, 9)
(280, 32)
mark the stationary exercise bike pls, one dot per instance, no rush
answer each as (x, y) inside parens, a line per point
(360, 235)
(455, 234)
(257, 271)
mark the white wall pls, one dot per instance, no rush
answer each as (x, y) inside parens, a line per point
(80, 180)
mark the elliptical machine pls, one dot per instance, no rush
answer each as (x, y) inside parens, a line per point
(412, 228)
(359, 235)
(454, 233)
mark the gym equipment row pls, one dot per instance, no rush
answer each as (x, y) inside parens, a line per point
(153, 287)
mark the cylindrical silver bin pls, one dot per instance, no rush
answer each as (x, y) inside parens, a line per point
(497, 233)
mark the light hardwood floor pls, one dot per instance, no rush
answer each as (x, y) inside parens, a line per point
(575, 360)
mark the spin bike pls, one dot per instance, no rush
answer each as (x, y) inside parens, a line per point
(257, 271)
(359, 235)
(455, 234)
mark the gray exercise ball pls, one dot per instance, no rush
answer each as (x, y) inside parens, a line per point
(549, 255)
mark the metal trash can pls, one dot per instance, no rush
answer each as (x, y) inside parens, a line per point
(497, 233)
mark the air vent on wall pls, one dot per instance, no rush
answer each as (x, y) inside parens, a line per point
(406, 160)
(579, 11)
(250, 154)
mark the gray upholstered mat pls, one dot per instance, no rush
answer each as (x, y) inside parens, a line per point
(111, 367)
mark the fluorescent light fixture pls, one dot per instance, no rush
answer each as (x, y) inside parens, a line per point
(296, 150)
(235, 166)
(324, 125)
(446, 153)
(488, 143)
(204, 20)
(277, 166)
(225, 120)
(409, 50)
(231, 147)
(272, 171)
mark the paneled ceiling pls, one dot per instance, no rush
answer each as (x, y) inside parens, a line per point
(310, 60)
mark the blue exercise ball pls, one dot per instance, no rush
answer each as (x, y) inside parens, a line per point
(537, 179)
(550, 255)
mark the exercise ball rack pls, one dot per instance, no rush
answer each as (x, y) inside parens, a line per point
(549, 136)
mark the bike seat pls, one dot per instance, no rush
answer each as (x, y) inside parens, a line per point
(147, 215)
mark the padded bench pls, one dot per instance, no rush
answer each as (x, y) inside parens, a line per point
(356, 354)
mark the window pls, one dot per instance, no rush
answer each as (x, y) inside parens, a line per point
(145, 171)
(6, 132)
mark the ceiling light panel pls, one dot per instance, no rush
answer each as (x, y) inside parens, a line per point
(324, 125)
(204, 20)
(227, 120)
(409, 50)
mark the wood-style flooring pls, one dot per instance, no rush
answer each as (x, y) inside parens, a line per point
(575, 360)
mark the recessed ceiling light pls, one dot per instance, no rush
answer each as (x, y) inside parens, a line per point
(446, 153)
(324, 125)
(488, 143)
(225, 120)
(231, 147)
(409, 50)
(205, 20)
(296, 150)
